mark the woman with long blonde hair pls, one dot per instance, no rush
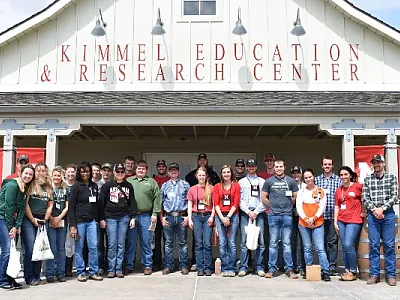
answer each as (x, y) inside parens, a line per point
(39, 205)
(226, 197)
(58, 227)
(201, 219)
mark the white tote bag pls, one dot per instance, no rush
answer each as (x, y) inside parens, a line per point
(14, 265)
(252, 233)
(41, 248)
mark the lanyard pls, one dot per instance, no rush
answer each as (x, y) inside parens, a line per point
(90, 189)
(258, 181)
(344, 196)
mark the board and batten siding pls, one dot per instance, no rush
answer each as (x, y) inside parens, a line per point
(200, 53)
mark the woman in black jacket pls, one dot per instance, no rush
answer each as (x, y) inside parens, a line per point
(117, 209)
(82, 215)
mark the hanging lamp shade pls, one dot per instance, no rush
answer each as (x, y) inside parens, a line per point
(98, 30)
(298, 29)
(239, 28)
(158, 28)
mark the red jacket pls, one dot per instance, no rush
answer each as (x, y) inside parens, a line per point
(234, 193)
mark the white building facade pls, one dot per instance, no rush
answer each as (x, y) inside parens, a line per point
(199, 87)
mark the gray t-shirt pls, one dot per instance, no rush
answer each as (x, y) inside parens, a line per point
(279, 200)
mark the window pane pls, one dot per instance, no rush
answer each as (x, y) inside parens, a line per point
(191, 8)
(208, 7)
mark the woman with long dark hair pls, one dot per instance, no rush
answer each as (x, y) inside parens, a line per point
(226, 197)
(12, 202)
(348, 219)
(82, 215)
(201, 220)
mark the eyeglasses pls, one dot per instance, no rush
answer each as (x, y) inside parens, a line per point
(240, 166)
(120, 172)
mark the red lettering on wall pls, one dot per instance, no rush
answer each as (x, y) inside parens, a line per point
(160, 72)
(103, 72)
(140, 72)
(255, 72)
(141, 51)
(335, 72)
(199, 51)
(235, 51)
(296, 57)
(296, 72)
(220, 57)
(254, 52)
(221, 71)
(122, 55)
(277, 71)
(64, 56)
(353, 72)
(354, 52)
(337, 56)
(196, 72)
(104, 54)
(83, 73)
(179, 69)
(159, 53)
(316, 66)
(315, 52)
(277, 53)
(122, 71)
(84, 52)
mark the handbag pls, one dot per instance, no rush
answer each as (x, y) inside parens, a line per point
(252, 233)
(14, 265)
(69, 244)
(41, 247)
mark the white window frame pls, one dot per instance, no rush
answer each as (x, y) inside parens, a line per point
(218, 17)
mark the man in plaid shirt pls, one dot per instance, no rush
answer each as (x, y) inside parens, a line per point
(380, 192)
(329, 182)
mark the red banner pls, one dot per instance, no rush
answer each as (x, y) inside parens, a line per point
(35, 155)
(362, 158)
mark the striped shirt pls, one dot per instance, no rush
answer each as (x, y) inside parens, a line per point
(330, 185)
(174, 195)
(380, 192)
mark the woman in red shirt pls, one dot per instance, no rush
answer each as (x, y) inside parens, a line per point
(226, 197)
(348, 219)
(201, 218)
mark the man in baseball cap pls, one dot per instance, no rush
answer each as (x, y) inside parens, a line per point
(21, 161)
(269, 160)
(377, 158)
(240, 168)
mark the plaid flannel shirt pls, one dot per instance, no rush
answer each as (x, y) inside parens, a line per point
(380, 192)
(331, 184)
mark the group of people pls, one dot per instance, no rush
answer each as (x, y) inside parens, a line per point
(107, 208)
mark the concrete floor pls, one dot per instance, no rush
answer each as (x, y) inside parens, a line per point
(176, 286)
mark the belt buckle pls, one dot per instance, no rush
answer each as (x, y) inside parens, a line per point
(175, 214)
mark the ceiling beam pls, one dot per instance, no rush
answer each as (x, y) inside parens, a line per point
(226, 132)
(317, 135)
(288, 132)
(133, 132)
(258, 132)
(85, 135)
(163, 132)
(78, 137)
(195, 132)
(101, 132)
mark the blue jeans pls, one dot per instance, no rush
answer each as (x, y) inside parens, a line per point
(5, 244)
(88, 231)
(28, 234)
(317, 235)
(116, 232)
(244, 252)
(280, 226)
(384, 228)
(142, 225)
(349, 233)
(266, 239)
(331, 243)
(175, 227)
(56, 267)
(227, 244)
(203, 242)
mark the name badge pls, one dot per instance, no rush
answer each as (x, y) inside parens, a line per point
(92, 199)
(200, 206)
(288, 193)
(343, 206)
(226, 200)
(327, 191)
(255, 191)
(61, 224)
(352, 194)
(58, 206)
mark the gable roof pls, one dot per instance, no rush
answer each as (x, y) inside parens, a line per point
(58, 6)
(107, 102)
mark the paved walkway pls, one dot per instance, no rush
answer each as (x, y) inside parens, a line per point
(176, 286)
